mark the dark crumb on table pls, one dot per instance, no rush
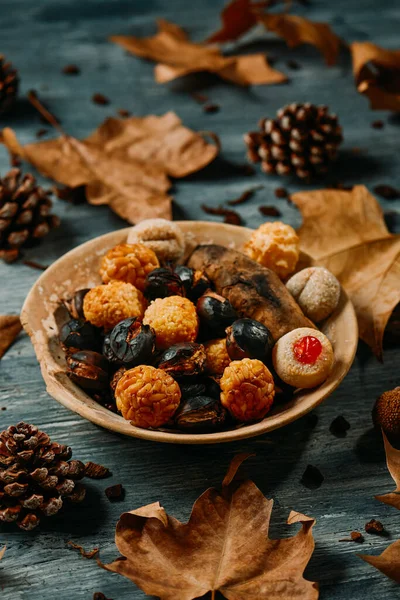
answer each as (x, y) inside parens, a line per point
(387, 191)
(35, 265)
(71, 70)
(4, 408)
(312, 478)
(100, 99)
(15, 160)
(200, 98)
(269, 211)
(123, 112)
(100, 596)
(211, 108)
(96, 471)
(377, 124)
(115, 492)
(230, 216)
(375, 527)
(339, 427)
(85, 553)
(244, 196)
(355, 536)
(292, 64)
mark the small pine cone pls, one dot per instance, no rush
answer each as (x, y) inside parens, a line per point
(36, 475)
(303, 140)
(247, 389)
(107, 305)
(217, 356)
(174, 320)
(9, 83)
(146, 396)
(130, 263)
(24, 214)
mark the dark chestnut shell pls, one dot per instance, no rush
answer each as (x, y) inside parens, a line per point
(88, 369)
(161, 283)
(183, 359)
(199, 386)
(247, 338)
(194, 282)
(130, 343)
(81, 335)
(185, 274)
(216, 313)
(200, 414)
(75, 304)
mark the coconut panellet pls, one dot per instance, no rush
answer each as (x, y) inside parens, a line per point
(317, 292)
(164, 237)
(303, 358)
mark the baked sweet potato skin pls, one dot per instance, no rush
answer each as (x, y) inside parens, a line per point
(254, 291)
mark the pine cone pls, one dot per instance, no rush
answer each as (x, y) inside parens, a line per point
(36, 475)
(8, 85)
(24, 214)
(303, 139)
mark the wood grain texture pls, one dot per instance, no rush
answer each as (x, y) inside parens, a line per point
(42, 37)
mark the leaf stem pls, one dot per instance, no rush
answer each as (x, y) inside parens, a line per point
(212, 594)
(34, 100)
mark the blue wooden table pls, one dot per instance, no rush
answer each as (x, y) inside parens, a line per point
(42, 37)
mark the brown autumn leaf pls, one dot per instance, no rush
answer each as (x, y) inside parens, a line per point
(377, 74)
(177, 56)
(388, 562)
(393, 465)
(125, 163)
(237, 17)
(2, 552)
(345, 232)
(10, 326)
(297, 30)
(224, 547)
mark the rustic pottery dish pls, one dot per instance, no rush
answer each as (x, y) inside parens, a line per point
(41, 315)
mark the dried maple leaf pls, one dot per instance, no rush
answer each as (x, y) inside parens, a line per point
(345, 232)
(2, 552)
(224, 547)
(297, 30)
(178, 56)
(10, 326)
(393, 464)
(125, 163)
(237, 18)
(388, 562)
(377, 74)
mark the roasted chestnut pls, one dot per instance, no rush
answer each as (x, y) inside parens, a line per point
(183, 359)
(161, 283)
(194, 282)
(199, 386)
(74, 305)
(247, 338)
(130, 343)
(200, 413)
(115, 378)
(88, 369)
(216, 313)
(81, 335)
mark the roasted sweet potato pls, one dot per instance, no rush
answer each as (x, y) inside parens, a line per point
(254, 291)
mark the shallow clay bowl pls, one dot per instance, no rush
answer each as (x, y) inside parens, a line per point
(42, 315)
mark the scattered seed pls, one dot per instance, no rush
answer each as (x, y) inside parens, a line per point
(95, 471)
(355, 536)
(292, 64)
(123, 112)
(230, 216)
(246, 195)
(269, 211)
(374, 527)
(35, 265)
(84, 553)
(377, 124)
(281, 192)
(211, 108)
(387, 191)
(41, 132)
(100, 596)
(200, 98)
(4, 408)
(339, 427)
(312, 478)
(71, 70)
(100, 99)
(115, 492)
